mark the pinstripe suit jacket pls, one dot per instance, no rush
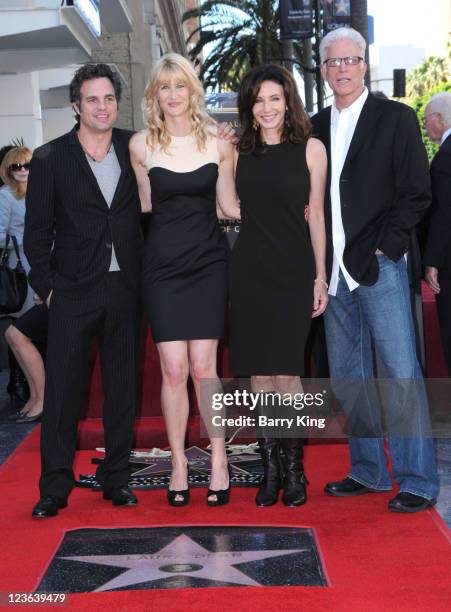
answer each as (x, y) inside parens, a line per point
(69, 228)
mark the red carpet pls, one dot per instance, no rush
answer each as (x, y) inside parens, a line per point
(149, 427)
(375, 560)
(435, 359)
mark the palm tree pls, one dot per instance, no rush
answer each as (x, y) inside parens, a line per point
(432, 72)
(242, 34)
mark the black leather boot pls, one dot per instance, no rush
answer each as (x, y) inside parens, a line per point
(17, 386)
(294, 483)
(268, 492)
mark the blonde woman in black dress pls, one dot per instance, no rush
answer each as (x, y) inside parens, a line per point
(278, 270)
(182, 168)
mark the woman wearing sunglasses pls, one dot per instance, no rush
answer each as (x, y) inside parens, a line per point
(14, 173)
(32, 326)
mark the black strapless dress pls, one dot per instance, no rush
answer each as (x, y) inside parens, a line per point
(185, 257)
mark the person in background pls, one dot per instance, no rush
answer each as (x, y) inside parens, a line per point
(437, 256)
(14, 170)
(27, 339)
(3, 151)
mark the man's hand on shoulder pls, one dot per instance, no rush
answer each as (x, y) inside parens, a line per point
(431, 278)
(227, 132)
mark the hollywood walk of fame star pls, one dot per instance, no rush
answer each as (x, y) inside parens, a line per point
(199, 461)
(182, 557)
(154, 472)
(342, 7)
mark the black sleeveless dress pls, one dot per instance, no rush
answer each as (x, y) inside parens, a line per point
(185, 257)
(272, 265)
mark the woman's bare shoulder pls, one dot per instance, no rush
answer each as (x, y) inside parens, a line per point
(138, 145)
(315, 146)
(315, 153)
(138, 139)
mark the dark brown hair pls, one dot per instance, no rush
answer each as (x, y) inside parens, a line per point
(297, 127)
(93, 71)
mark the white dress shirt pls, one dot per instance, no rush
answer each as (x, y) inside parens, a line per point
(342, 127)
(445, 136)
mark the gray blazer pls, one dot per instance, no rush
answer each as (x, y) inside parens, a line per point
(12, 222)
(12, 216)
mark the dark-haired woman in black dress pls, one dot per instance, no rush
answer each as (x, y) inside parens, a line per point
(278, 275)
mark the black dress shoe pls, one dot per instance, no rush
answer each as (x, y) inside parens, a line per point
(408, 502)
(48, 506)
(121, 496)
(347, 488)
(29, 419)
(16, 415)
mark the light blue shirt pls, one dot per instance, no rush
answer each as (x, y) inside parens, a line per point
(12, 222)
(12, 216)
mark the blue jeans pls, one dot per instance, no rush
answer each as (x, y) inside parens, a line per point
(381, 314)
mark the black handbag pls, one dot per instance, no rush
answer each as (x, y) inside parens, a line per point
(13, 281)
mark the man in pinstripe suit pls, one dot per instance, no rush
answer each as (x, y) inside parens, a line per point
(83, 241)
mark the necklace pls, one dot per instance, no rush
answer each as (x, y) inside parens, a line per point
(91, 156)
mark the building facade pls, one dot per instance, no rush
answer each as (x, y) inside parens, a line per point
(42, 42)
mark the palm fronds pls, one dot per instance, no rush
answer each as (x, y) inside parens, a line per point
(234, 35)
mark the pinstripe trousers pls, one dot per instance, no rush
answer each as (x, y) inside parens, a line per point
(110, 314)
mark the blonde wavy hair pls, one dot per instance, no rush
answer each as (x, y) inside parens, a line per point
(173, 65)
(17, 155)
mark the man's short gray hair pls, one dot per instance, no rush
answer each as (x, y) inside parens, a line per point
(441, 103)
(341, 34)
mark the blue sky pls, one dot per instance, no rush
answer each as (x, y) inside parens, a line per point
(421, 23)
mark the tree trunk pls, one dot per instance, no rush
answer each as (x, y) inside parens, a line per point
(317, 39)
(359, 21)
(287, 54)
(308, 76)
